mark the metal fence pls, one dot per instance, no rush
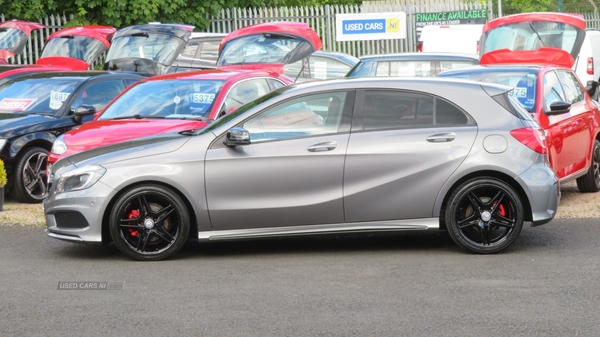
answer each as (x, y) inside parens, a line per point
(319, 18)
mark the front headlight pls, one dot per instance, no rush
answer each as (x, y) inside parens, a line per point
(60, 146)
(79, 179)
(2, 143)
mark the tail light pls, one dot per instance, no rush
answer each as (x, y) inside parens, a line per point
(590, 66)
(533, 138)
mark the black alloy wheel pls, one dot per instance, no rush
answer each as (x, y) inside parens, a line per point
(30, 182)
(484, 215)
(149, 222)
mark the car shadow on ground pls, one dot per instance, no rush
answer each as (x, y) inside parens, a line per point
(531, 239)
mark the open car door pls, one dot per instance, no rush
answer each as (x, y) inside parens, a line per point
(533, 38)
(267, 46)
(14, 35)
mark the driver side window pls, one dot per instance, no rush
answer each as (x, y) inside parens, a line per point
(99, 94)
(312, 115)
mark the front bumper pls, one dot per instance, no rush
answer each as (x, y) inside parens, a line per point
(77, 216)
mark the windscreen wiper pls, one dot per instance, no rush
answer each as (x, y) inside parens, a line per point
(536, 33)
(137, 116)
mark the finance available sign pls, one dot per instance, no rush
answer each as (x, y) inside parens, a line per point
(370, 26)
(476, 16)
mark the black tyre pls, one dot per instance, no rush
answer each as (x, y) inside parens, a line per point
(149, 223)
(590, 182)
(30, 183)
(484, 215)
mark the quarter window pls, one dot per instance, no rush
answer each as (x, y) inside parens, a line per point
(310, 115)
(573, 91)
(553, 90)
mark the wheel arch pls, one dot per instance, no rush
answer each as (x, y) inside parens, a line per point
(494, 174)
(42, 139)
(106, 237)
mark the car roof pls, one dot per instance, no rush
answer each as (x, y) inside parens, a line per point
(403, 83)
(346, 58)
(420, 56)
(533, 69)
(197, 35)
(81, 74)
(212, 74)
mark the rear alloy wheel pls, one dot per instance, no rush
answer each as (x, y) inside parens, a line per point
(29, 174)
(484, 215)
(590, 182)
(149, 223)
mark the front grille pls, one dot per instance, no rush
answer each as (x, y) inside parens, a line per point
(70, 220)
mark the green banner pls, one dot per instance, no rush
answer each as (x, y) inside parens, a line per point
(477, 16)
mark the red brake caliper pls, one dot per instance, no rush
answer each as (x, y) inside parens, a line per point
(133, 215)
(501, 210)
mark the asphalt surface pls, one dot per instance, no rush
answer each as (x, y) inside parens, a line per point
(546, 284)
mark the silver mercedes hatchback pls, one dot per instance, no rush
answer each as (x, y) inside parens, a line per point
(343, 156)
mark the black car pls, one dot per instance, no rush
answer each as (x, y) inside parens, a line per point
(36, 108)
(410, 64)
(149, 49)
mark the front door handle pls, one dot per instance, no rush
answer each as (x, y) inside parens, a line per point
(327, 146)
(442, 137)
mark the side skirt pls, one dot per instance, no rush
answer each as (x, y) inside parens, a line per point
(356, 227)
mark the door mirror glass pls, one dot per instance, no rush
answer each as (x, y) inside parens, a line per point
(237, 136)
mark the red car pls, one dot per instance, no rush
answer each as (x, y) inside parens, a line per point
(191, 100)
(74, 48)
(14, 34)
(167, 103)
(534, 53)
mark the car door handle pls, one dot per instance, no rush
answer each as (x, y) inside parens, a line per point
(442, 137)
(327, 146)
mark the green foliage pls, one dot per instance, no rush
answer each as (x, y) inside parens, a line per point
(123, 13)
(525, 6)
(3, 179)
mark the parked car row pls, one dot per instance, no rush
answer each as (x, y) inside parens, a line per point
(239, 152)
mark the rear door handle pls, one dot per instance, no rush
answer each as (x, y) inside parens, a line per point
(327, 146)
(442, 137)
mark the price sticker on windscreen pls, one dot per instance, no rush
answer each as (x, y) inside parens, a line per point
(202, 98)
(57, 99)
(16, 104)
(519, 92)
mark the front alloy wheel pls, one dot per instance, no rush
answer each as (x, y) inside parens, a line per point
(149, 222)
(30, 182)
(484, 215)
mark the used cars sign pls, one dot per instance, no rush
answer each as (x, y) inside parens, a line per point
(370, 26)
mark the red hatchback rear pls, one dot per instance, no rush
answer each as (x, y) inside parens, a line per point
(534, 53)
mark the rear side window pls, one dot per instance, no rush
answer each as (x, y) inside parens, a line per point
(387, 109)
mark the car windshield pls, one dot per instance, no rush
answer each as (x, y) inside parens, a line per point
(157, 47)
(191, 99)
(531, 35)
(524, 83)
(10, 38)
(267, 48)
(37, 95)
(80, 47)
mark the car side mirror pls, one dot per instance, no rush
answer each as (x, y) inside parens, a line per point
(237, 136)
(558, 107)
(81, 111)
(591, 87)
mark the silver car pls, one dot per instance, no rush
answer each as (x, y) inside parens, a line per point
(341, 156)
